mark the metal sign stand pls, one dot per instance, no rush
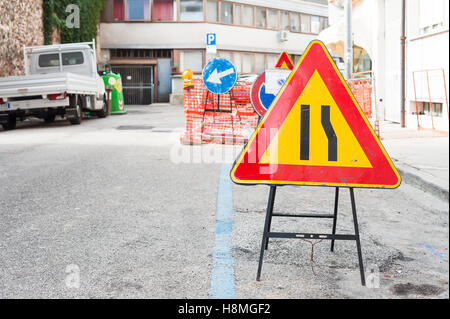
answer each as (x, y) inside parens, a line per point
(216, 110)
(333, 236)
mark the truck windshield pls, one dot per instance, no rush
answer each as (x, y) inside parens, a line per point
(52, 59)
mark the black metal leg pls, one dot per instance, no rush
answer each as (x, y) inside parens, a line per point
(271, 203)
(358, 243)
(204, 112)
(231, 115)
(273, 190)
(336, 203)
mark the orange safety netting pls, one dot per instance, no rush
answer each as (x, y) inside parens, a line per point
(225, 119)
(211, 118)
(362, 90)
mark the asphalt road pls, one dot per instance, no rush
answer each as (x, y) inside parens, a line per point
(117, 207)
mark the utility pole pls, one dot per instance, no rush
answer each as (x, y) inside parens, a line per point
(348, 50)
(402, 67)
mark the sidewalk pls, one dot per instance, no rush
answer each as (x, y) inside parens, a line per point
(421, 157)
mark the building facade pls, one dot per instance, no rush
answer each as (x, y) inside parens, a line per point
(377, 48)
(150, 42)
(20, 24)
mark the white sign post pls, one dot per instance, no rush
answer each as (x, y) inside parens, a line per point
(211, 46)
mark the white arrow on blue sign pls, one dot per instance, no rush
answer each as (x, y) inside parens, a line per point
(219, 76)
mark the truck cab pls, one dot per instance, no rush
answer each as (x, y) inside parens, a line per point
(76, 59)
(59, 80)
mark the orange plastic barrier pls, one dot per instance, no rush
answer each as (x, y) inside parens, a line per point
(223, 119)
(215, 119)
(362, 90)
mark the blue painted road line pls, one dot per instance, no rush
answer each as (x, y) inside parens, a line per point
(222, 274)
(433, 251)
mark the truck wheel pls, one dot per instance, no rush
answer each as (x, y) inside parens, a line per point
(11, 124)
(77, 116)
(104, 111)
(49, 117)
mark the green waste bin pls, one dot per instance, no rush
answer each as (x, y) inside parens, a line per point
(114, 81)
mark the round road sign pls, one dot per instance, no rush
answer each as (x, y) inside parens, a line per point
(219, 76)
(261, 101)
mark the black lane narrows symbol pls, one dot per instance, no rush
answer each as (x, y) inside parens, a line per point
(329, 131)
(304, 132)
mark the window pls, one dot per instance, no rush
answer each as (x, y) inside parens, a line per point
(163, 10)
(48, 60)
(295, 22)
(212, 9)
(141, 53)
(248, 16)
(52, 60)
(260, 63)
(226, 12)
(271, 61)
(191, 60)
(118, 10)
(431, 14)
(138, 9)
(437, 109)
(284, 20)
(191, 10)
(272, 19)
(238, 62)
(72, 58)
(237, 14)
(315, 24)
(305, 23)
(226, 55)
(261, 17)
(423, 108)
(247, 63)
(323, 23)
(361, 60)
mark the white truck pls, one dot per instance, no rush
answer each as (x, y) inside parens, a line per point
(60, 80)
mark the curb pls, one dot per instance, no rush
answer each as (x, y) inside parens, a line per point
(427, 183)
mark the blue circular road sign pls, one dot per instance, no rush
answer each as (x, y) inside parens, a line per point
(261, 100)
(266, 99)
(219, 76)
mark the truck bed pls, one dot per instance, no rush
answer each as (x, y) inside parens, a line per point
(44, 84)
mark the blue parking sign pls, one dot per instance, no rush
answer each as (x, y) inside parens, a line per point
(211, 39)
(219, 76)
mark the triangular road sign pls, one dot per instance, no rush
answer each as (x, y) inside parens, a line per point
(314, 133)
(285, 62)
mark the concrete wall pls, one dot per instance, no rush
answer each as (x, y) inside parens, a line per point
(378, 58)
(318, 7)
(20, 24)
(391, 77)
(181, 36)
(193, 36)
(376, 28)
(429, 51)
